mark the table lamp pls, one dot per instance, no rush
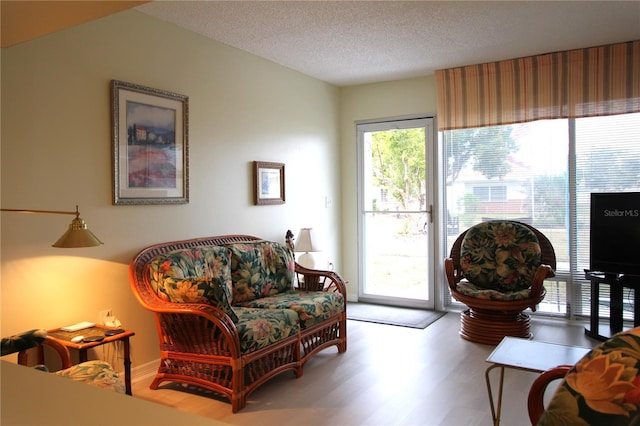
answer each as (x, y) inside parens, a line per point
(307, 242)
(78, 234)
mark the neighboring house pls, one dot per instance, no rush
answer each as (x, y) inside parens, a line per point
(482, 198)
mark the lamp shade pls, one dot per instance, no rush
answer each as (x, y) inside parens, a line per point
(307, 241)
(78, 235)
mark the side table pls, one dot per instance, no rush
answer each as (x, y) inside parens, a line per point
(527, 355)
(64, 338)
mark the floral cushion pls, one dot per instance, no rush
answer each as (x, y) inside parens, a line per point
(603, 388)
(469, 289)
(259, 328)
(194, 275)
(95, 373)
(500, 255)
(312, 307)
(260, 269)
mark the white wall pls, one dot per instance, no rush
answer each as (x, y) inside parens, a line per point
(366, 102)
(56, 153)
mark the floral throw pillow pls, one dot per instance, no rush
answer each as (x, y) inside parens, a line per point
(260, 269)
(194, 275)
(500, 255)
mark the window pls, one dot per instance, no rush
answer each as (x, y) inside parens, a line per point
(481, 193)
(542, 173)
(490, 193)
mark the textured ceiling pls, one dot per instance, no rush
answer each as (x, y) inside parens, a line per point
(355, 42)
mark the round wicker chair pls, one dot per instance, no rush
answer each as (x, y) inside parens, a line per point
(494, 313)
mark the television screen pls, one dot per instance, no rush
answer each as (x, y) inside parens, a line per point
(615, 233)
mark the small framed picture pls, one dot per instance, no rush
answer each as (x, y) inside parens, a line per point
(150, 145)
(268, 182)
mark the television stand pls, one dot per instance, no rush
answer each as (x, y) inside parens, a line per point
(616, 282)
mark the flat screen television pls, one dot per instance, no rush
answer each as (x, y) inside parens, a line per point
(615, 233)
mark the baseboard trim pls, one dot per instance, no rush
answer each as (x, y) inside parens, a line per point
(144, 371)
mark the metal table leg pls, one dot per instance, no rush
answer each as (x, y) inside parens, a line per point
(495, 411)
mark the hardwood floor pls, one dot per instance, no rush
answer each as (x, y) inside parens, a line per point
(388, 376)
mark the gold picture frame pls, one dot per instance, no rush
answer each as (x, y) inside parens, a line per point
(268, 184)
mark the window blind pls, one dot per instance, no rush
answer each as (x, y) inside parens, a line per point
(548, 168)
(607, 159)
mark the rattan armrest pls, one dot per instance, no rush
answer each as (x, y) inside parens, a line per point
(320, 280)
(452, 278)
(59, 348)
(543, 272)
(209, 318)
(535, 400)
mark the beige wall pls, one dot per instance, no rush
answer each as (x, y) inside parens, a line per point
(366, 102)
(56, 153)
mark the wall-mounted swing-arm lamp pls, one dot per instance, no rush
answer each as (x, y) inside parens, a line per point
(78, 235)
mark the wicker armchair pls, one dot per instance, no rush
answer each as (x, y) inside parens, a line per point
(602, 388)
(497, 269)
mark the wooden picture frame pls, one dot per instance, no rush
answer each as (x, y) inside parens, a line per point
(150, 145)
(268, 183)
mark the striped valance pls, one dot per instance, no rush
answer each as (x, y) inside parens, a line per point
(586, 82)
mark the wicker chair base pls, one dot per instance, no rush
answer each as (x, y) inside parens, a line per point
(490, 328)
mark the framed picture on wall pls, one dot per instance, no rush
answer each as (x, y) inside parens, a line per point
(268, 182)
(150, 145)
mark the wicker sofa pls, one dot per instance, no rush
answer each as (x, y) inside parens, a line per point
(233, 311)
